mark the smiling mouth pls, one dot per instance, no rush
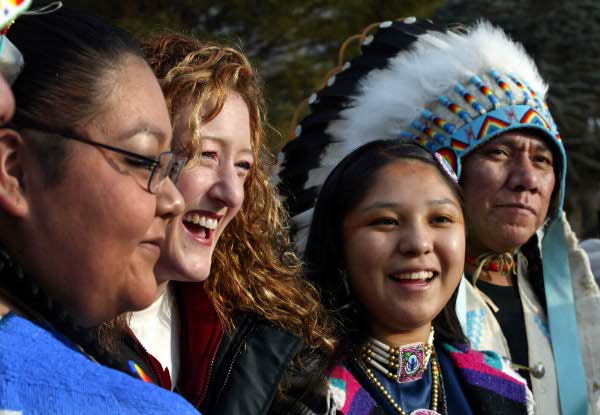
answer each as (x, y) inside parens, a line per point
(420, 277)
(200, 226)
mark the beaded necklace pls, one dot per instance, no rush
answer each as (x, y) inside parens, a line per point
(403, 364)
(493, 262)
(503, 263)
(435, 394)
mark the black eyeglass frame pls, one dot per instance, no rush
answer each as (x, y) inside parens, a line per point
(150, 162)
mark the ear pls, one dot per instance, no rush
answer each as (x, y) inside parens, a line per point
(12, 192)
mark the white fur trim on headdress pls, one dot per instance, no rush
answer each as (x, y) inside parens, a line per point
(390, 99)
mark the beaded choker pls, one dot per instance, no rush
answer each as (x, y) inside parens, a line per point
(493, 262)
(403, 364)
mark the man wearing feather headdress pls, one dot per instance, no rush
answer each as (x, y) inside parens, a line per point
(476, 98)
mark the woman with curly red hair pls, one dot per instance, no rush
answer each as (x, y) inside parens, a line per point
(225, 341)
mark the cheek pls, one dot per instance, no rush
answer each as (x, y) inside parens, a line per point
(118, 210)
(548, 182)
(366, 255)
(226, 221)
(451, 252)
(194, 184)
(482, 180)
(233, 212)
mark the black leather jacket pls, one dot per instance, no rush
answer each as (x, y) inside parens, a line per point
(249, 368)
(246, 371)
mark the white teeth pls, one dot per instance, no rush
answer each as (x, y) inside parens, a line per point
(421, 275)
(209, 223)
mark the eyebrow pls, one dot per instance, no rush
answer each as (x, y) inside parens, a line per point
(538, 143)
(392, 205)
(541, 146)
(224, 143)
(144, 128)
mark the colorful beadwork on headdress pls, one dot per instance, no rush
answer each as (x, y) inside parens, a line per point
(481, 129)
(521, 86)
(449, 155)
(428, 131)
(485, 90)
(470, 99)
(11, 59)
(446, 166)
(452, 142)
(455, 109)
(448, 127)
(504, 86)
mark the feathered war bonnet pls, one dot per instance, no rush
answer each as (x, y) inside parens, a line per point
(451, 91)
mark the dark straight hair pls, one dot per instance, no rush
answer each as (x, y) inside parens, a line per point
(72, 64)
(343, 190)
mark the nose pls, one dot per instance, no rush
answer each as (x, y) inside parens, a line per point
(169, 201)
(7, 102)
(228, 188)
(523, 175)
(416, 240)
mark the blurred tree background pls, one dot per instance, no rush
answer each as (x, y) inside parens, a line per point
(294, 44)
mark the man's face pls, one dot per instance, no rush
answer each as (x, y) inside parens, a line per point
(508, 184)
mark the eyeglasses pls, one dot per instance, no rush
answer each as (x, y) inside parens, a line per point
(167, 164)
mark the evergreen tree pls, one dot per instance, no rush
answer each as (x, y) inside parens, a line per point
(294, 43)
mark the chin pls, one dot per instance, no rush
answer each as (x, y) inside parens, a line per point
(186, 272)
(143, 298)
(198, 276)
(183, 265)
(512, 238)
(415, 318)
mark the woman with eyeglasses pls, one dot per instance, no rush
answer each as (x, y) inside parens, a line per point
(86, 190)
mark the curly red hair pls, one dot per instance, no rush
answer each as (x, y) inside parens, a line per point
(253, 262)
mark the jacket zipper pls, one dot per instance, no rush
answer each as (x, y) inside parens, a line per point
(144, 355)
(209, 373)
(237, 352)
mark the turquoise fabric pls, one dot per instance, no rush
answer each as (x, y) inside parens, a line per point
(564, 332)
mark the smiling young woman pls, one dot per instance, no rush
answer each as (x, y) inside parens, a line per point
(386, 249)
(400, 245)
